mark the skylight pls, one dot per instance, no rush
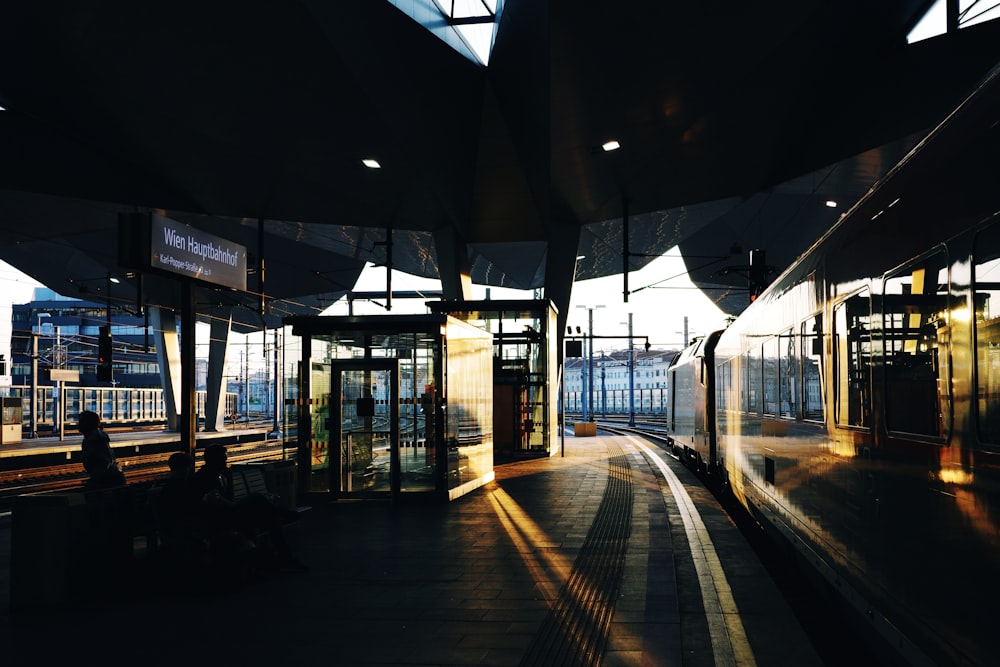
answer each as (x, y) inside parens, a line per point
(474, 21)
(468, 26)
(935, 21)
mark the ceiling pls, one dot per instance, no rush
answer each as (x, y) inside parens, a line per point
(250, 120)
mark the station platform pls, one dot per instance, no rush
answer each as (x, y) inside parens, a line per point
(611, 554)
(124, 441)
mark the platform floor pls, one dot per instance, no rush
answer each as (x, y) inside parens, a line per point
(612, 554)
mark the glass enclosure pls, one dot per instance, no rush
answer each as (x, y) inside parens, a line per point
(525, 366)
(392, 405)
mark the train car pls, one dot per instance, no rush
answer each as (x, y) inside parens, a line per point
(858, 398)
(691, 404)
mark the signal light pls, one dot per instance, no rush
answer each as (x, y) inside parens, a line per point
(104, 355)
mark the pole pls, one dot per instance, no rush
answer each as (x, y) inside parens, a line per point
(265, 394)
(583, 381)
(61, 391)
(246, 378)
(590, 361)
(275, 432)
(625, 251)
(562, 408)
(631, 375)
(32, 431)
(604, 390)
(58, 409)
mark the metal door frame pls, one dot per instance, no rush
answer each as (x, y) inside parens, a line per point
(337, 369)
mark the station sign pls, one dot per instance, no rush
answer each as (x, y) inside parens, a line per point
(63, 375)
(151, 241)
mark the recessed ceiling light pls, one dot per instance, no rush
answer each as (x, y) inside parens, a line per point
(612, 145)
(371, 164)
(831, 204)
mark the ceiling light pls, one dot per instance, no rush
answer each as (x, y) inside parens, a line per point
(371, 164)
(831, 204)
(612, 145)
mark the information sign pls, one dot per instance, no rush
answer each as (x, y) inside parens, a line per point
(187, 251)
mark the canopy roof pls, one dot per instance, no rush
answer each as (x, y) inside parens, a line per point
(251, 120)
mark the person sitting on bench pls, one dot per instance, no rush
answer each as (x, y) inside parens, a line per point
(212, 486)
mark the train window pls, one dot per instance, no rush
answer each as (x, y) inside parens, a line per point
(788, 375)
(672, 417)
(915, 313)
(986, 280)
(724, 385)
(771, 361)
(755, 383)
(812, 368)
(852, 349)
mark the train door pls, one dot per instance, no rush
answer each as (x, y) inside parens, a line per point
(364, 428)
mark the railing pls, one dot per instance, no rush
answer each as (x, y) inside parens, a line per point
(115, 405)
(651, 400)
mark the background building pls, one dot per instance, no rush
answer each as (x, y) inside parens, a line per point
(610, 390)
(67, 332)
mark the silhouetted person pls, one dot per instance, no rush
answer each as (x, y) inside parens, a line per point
(98, 460)
(175, 501)
(212, 485)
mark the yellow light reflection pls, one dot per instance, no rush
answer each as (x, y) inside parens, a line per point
(969, 500)
(955, 476)
(961, 315)
(548, 568)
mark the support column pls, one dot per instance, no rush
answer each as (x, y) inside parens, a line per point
(453, 265)
(303, 458)
(188, 416)
(215, 386)
(560, 270)
(168, 357)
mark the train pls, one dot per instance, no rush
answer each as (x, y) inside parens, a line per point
(853, 408)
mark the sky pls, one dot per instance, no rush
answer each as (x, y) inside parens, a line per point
(15, 287)
(662, 296)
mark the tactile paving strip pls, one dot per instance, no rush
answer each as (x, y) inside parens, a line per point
(576, 630)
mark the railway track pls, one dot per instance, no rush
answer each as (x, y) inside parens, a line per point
(138, 468)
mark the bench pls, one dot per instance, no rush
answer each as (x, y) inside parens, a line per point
(248, 480)
(80, 544)
(274, 480)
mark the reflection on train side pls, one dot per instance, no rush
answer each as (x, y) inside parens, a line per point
(855, 404)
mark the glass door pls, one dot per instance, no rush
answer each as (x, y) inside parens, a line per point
(364, 432)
